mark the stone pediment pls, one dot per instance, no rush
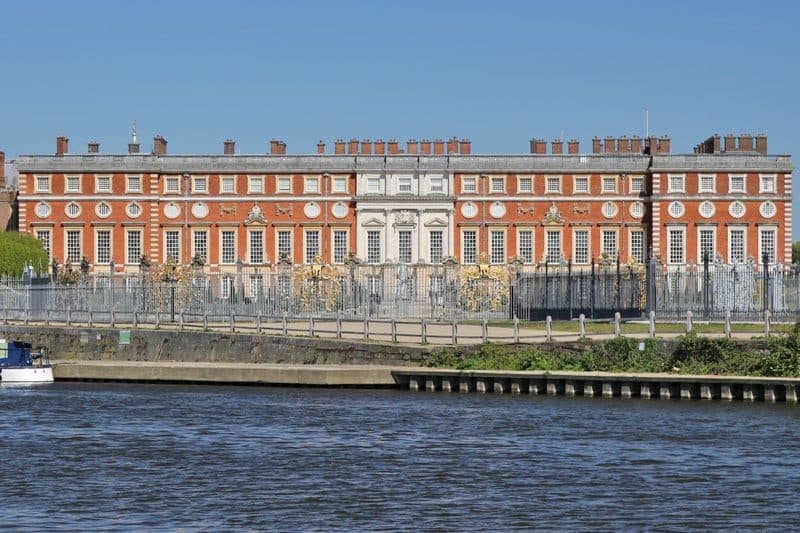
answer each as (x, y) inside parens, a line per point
(373, 223)
(436, 223)
(553, 217)
(255, 217)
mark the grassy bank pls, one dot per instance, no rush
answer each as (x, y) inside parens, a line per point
(776, 356)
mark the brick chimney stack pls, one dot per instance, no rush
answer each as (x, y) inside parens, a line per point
(412, 147)
(746, 143)
(539, 146)
(664, 145)
(229, 147)
(320, 147)
(761, 144)
(159, 145)
(380, 147)
(636, 144)
(366, 147)
(465, 148)
(62, 145)
(623, 145)
(557, 147)
(93, 147)
(277, 147)
(597, 145)
(338, 147)
(425, 147)
(730, 143)
(393, 147)
(609, 146)
(352, 146)
(438, 147)
(573, 147)
(452, 146)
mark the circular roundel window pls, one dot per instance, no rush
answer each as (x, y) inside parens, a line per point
(172, 210)
(103, 210)
(72, 210)
(312, 210)
(200, 210)
(43, 210)
(637, 210)
(133, 210)
(736, 209)
(707, 209)
(497, 210)
(610, 209)
(469, 210)
(339, 210)
(675, 209)
(767, 210)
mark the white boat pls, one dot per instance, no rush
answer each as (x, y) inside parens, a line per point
(19, 364)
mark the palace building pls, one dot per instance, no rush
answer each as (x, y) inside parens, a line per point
(429, 202)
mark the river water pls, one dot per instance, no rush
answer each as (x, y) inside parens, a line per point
(144, 457)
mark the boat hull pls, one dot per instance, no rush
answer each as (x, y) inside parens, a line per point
(27, 375)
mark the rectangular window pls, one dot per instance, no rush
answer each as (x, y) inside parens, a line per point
(44, 237)
(436, 246)
(42, 184)
(312, 245)
(256, 286)
(73, 184)
(525, 245)
(404, 246)
(609, 243)
(228, 241)
(172, 246)
(404, 185)
(226, 286)
(339, 184)
(469, 246)
(498, 185)
(200, 245)
(74, 251)
(469, 185)
(133, 247)
(676, 184)
(675, 247)
(767, 240)
(637, 185)
(525, 185)
(553, 246)
(339, 246)
(581, 256)
(227, 184)
(609, 185)
(255, 185)
(284, 185)
(497, 247)
(736, 184)
(284, 241)
(736, 246)
(199, 185)
(437, 185)
(311, 186)
(134, 183)
(706, 184)
(705, 238)
(553, 184)
(172, 185)
(373, 185)
(103, 246)
(637, 246)
(767, 185)
(373, 246)
(581, 185)
(103, 184)
(256, 243)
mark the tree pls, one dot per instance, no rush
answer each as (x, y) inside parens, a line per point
(796, 253)
(18, 250)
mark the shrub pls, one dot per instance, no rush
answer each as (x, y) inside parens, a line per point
(18, 250)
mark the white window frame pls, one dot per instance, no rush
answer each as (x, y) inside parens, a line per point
(474, 260)
(222, 232)
(527, 188)
(179, 233)
(49, 245)
(774, 231)
(713, 179)
(278, 232)
(584, 179)
(339, 184)
(196, 189)
(283, 185)
(604, 181)
(79, 231)
(168, 180)
(637, 190)
(370, 258)
(308, 188)
(640, 231)
(101, 178)
(532, 257)
(771, 177)
(129, 260)
(547, 257)
(471, 189)
(334, 232)
(497, 190)
(373, 185)
(575, 246)
(743, 230)
(605, 232)
(48, 181)
(404, 185)
(440, 233)
(731, 190)
(255, 184)
(223, 180)
(410, 249)
(250, 259)
(307, 259)
(548, 181)
(129, 178)
(502, 259)
(714, 249)
(68, 179)
(681, 229)
(205, 255)
(436, 185)
(671, 186)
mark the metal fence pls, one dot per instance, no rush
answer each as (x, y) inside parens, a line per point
(435, 292)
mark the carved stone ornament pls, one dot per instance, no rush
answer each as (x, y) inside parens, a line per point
(580, 209)
(404, 218)
(553, 217)
(227, 209)
(280, 210)
(528, 210)
(255, 215)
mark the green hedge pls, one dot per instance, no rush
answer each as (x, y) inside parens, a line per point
(778, 356)
(17, 250)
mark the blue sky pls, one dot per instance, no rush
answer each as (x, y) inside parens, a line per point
(496, 72)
